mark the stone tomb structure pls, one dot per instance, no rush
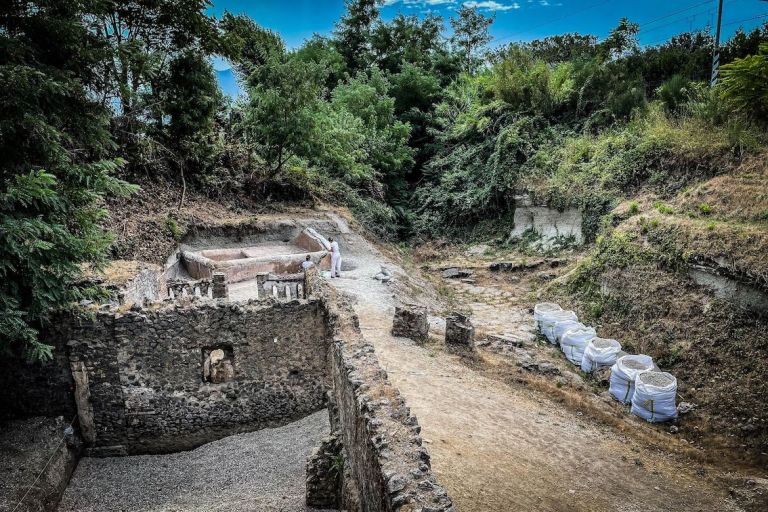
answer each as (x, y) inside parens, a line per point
(275, 265)
(179, 372)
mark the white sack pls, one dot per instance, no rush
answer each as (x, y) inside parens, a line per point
(574, 341)
(565, 326)
(543, 309)
(623, 374)
(600, 352)
(550, 320)
(654, 397)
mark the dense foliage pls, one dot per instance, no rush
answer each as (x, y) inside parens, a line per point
(418, 133)
(55, 165)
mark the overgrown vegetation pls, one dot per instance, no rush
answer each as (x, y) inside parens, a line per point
(419, 134)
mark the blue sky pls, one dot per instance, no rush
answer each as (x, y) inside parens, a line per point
(297, 20)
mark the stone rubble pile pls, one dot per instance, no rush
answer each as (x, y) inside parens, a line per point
(633, 378)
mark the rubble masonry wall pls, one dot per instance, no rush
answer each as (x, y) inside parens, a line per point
(144, 373)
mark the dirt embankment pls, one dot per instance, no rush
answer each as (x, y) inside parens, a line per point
(148, 225)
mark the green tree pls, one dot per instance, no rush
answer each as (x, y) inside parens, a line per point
(470, 35)
(386, 138)
(353, 32)
(54, 166)
(284, 94)
(744, 84)
(321, 50)
(407, 39)
(246, 44)
(143, 39)
(190, 98)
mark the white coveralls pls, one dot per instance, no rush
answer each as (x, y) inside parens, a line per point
(335, 259)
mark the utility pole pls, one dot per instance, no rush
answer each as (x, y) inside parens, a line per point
(716, 53)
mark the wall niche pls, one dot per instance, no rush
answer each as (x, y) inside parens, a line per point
(218, 364)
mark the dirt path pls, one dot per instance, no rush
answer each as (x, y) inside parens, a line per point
(499, 447)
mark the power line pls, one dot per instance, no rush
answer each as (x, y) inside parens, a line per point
(644, 23)
(663, 39)
(689, 17)
(553, 20)
(765, 15)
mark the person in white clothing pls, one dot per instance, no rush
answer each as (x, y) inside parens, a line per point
(307, 263)
(335, 258)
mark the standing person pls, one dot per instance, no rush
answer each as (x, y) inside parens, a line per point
(335, 258)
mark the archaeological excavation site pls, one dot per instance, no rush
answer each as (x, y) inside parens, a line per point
(228, 377)
(228, 350)
(383, 256)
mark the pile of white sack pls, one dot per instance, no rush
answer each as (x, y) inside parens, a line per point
(633, 379)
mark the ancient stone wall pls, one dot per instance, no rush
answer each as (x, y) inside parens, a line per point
(147, 388)
(552, 226)
(386, 466)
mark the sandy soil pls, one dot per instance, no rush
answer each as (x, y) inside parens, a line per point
(501, 447)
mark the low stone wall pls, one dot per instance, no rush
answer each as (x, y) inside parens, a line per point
(140, 378)
(386, 466)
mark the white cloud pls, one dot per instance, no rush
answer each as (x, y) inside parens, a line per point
(491, 5)
(483, 5)
(419, 3)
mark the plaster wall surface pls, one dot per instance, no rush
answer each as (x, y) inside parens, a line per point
(550, 224)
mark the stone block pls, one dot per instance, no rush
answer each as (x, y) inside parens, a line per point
(411, 321)
(220, 286)
(459, 332)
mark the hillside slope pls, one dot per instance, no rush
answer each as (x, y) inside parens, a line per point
(686, 281)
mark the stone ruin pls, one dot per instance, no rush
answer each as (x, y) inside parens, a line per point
(459, 332)
(177, 370)
(411, 321)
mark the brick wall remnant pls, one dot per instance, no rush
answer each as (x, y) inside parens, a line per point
(411, 321)
(173, 376)
(459, 332)
(386, 468)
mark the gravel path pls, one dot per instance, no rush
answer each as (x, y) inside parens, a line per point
(257, 471)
